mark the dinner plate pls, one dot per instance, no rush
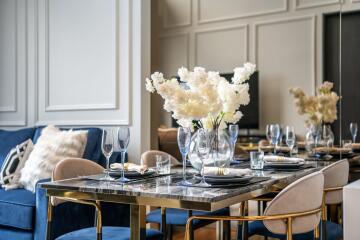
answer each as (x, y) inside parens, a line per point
(224, 179)
(129, 174)
(283, 165)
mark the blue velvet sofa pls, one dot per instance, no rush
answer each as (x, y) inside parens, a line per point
(23, 214)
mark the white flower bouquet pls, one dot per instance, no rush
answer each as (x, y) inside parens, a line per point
(203, 97)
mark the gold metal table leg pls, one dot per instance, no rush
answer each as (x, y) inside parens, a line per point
(137, 222)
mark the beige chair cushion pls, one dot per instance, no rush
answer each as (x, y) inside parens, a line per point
(336, 175)
(302, 195)
(73, 168)
(148, 158)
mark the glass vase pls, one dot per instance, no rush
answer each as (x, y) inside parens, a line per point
(220, 152)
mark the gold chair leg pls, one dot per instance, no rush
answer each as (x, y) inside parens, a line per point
(98, 221)
(317, 232)
(49, 220)
(289, 229)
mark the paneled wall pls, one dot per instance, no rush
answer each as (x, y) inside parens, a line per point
(283, 37)
(76, 63)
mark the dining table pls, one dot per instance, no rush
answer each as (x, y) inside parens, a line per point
(165, 191)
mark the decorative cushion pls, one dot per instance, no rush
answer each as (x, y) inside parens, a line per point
(180, 216)
(14, 163)
(333, 232)
(52, 146)
(17, 209)
(93, 143)
(9, 139)
(109, 233)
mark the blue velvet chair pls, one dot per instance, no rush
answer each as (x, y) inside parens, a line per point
(23, 213)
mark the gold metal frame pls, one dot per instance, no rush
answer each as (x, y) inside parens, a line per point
(288, 218)
(96, 204)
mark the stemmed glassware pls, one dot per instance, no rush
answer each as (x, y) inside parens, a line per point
(275, 135)
(233, 132)
(203, 150)
(123, 134)
(268, 133)
(353, 131)
(184, 140)
(107, 148)
(290, 138)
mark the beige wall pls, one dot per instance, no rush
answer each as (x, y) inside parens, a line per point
(283, 37)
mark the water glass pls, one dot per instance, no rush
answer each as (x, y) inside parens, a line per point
(257, 160)
(184, 140)
(163, 164)
(353, 131)
(123, 134)
(346, 143)
(268, 133)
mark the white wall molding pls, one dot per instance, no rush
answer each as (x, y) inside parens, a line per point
(115, 112)
(188, 21)
(312, 18)
(222, 29)
(16, 113)
(283, 8)
(300, 5)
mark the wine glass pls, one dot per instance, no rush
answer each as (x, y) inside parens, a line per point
(233, 132)
(184, 140)
(123, 134)
(203, 150)
(290, 138)
(275, 134)
(268, 133)
(107, 148)
(353, 131)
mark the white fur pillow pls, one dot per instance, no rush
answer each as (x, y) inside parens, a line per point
(52, 146)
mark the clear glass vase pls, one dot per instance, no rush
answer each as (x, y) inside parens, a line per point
(220, 152)
(312, 138)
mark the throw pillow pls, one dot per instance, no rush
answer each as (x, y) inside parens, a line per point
(14, 163)
(52, 146)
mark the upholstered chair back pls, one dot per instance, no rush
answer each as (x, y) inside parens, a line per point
(148, 158)
(303, 195)
(72, 168)
(335, 175)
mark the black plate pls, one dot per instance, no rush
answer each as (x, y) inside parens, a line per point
(214, 180)
(130, 174)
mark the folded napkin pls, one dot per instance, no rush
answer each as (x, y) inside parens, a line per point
(216, 171)
(277, 159)
(129, 167)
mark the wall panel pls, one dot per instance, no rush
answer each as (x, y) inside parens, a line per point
(288, 63)
(13, 63)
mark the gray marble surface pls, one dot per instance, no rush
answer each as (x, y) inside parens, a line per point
(167, 187)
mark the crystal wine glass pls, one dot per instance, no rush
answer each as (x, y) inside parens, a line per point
(353, 131)
(290, 138)
(203, 150)
(268, 133)
(107, 148)
(233, 132)
(123, 134)
(275, 134)
(184, 140)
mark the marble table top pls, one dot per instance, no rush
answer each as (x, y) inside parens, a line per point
(167, 187)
